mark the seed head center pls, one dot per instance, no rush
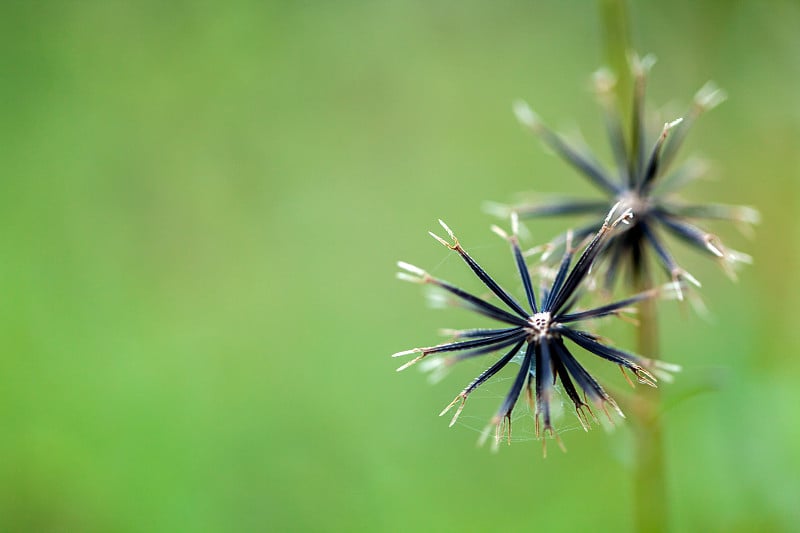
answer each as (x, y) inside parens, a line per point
(539, 323)
(636, 203)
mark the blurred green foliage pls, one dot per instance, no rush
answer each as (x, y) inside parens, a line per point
(201, 208)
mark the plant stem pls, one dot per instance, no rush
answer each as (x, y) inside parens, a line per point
(650, 492)
(616, 45)
(651, 506)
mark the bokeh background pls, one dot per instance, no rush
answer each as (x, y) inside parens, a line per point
(201, 207)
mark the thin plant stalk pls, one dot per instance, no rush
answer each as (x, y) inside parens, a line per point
(616, 45)
(651, 504)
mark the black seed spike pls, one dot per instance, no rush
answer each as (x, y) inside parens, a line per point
(490, 283)
(584, 163)
(478, 304)
(477, 333)
(692, 234)
(637, 122)
(608, 309)
(661, 251)
(652, 168)
(516, 388)
(520, 336)
(585, 381)
(566, 382)
(585, 261)
(492, 370)
(563, 208)
(523, 273)
(562, 271)
(544, 383)
(628, 360)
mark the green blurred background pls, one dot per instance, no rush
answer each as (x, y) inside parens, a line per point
(201, 208)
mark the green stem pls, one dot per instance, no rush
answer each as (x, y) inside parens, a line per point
(650, 492)
(651, 506)
(616, 45)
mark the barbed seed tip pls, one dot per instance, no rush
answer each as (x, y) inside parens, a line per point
(403, 276)
(669, 125)
(611, 213)
(406, 352)
(709, 96)
(604, 80)
(711, 245)
(624, 218)
(437, 300)
(463, 399)
(614, 406)
(664, 371)
(547, 250)
(640, 66)
(514, 223)
(411, 274)
(448, 230)
(413, 361)
(497, 230)
(691, 279)
(408, 267)
(748, 214)
(435, 368)
(668, 367)
(735, 256)
(525, 115)
(678, 277)
(441, 241)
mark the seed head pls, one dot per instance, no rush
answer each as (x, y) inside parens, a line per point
(643, 182)
(541, 328)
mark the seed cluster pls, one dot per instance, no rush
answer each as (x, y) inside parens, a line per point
(541, 332)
